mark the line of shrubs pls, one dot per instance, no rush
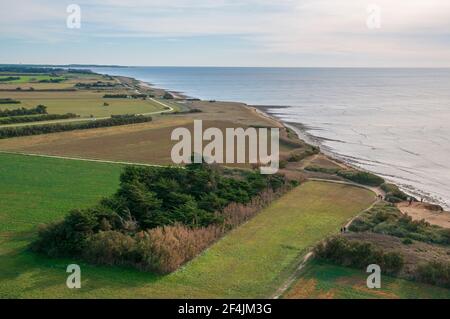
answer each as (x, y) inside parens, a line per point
(364, 178)
(360, 177)
(98, 84)
(115, 120)
(36, 118)
(9, 78)
(9, 101)
(59, 80)
(393, 193)
(40, 109)
(160, 217)
(125, 96)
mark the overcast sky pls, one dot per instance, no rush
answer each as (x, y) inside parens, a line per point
(412, 33)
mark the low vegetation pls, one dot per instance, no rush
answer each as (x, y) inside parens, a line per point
(297, 156)
(125, 96)
(322, 280)
(95, 85)
(160, 217)
(434, 273)
(320, 169)
(363, 178)
(342, 252)
(35, 118)
(393, 193)
(40, 109)
(9, 78)
(115, 120)
(8, 101)
(387, 219)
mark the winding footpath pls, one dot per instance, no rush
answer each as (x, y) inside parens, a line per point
(296, 274)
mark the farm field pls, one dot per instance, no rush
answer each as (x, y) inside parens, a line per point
(322, 280)
(147, 143)
(251, 261)
(84, 104)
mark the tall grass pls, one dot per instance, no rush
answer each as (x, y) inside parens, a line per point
(164, 249)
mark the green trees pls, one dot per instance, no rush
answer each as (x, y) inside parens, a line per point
(36, 118)
(364, 178)
(8, 101)
(40, 109)
(138, 225)
(356, 254)
(115, 120)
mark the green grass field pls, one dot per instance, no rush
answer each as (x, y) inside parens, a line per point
(86, 107)
(251, 261)
(29, 78)
(322, 280)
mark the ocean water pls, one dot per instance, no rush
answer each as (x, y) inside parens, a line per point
(394, 122)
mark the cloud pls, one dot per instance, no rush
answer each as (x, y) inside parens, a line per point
(285, 26)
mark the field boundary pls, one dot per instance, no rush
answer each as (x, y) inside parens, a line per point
(82, 159)
(168, 109)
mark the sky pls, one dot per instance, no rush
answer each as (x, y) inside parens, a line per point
(276, 33)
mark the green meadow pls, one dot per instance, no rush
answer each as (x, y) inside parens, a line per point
(251, 261)
(323, 280)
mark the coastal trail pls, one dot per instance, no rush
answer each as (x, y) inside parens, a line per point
(297, 273)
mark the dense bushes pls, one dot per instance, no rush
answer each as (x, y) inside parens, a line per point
(125, 96)
(387, 219)
(115, 120)
(434, 273)
(59, 80)
(364, 178)
(95, 85)
(160, 217)
(36, 118)
(115, 96)
(9, 101)
(9, 78)
(320, 169)
(393, 193)
(168, 96)
(297, 156)
(343, 252)
(40, 109)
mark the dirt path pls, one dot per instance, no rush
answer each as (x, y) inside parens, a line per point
(296, 274)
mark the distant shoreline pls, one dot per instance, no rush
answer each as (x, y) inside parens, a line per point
(302, 132)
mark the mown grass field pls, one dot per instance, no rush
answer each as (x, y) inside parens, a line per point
(322, 280)
(251, 261)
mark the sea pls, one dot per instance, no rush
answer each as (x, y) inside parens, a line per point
(394, 122)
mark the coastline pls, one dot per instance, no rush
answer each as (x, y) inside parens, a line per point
(301, 130)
